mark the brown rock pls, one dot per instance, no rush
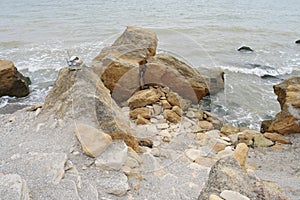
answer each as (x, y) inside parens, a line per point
(141, 120)
(275, 137)
(287, 120)
(177, 110)
(241, 154)
(12, 82)
(228, 129)
(144, 112)
(144, 97)
(117, 65)
(171, 116)
(247, 136)
(168, 71)
(174, 99)
(205, 125)
(165, 104)
(92, 140)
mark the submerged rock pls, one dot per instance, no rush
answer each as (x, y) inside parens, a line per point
(287, 120)
(245, 48)
(12, 82)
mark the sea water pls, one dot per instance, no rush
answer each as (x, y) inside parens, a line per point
(37, 34)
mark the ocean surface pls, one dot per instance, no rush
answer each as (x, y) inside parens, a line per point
(37, 34)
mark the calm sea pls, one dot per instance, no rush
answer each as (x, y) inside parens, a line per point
(36, 35)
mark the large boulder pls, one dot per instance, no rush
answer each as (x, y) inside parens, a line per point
(287, 120)
(133, 46)
(118, 67)
(12, 82)
(227, 174)
(80, 96)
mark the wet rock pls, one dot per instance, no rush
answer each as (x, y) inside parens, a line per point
(12, 82)
(144, 97)
(227, 174)
(228, 129)
(297, 41)
(275, 137)
(117, 65)
(81, 96)
(12, 186)
(114, 156)
(144, 112)
(287, 120)
(92, 140)
(245, 49)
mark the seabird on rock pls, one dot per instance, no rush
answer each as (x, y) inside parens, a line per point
(75, 63)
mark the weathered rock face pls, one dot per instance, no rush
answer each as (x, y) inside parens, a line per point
(133, 46)
(227, 174)
(118, 67)
(80, 95)
(12, 82)
(288, 120)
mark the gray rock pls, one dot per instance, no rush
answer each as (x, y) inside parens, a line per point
(114, 156)
(227, 174)
(232, 195)
(13, 187)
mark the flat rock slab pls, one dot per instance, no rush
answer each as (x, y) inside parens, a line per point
(13, 187)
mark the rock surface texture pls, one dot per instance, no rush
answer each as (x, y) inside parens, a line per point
(12, 82)
(288, 119)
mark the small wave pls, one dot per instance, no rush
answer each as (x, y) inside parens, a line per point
(3, 102)
(258, 70)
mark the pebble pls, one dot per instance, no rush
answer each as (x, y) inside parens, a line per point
(232, 195)
(162, 126)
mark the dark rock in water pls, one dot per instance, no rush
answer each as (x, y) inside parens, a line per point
(287, 120)
(268, 76)
(12, 82)
(245, 48)
(297, 41)
(227, 174)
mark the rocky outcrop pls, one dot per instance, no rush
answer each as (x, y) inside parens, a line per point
(227, 174)
(80, 95)
(119, 68)
(122, 57)
(287, 120)
(12, 82)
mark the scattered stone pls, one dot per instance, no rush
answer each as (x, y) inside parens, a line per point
(166, 139)
(177, 110)
(12, 186)
(214, 197)
(114, 157)
(261, 141)
(165, 133)
(157, 109)
(144, 97)
(205, 125)
(241, 154)
(228, 129)
(92, 140)
(171, 116)
(143, 112)
(275, 137)
(141, 120)
(247, 136)
(165, 104)
(232, 195)
(245, 49)
(145, 142)
(12, 82)
(162, 126)
(174, 99)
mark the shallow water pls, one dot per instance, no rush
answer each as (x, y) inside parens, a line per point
(36, 36)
